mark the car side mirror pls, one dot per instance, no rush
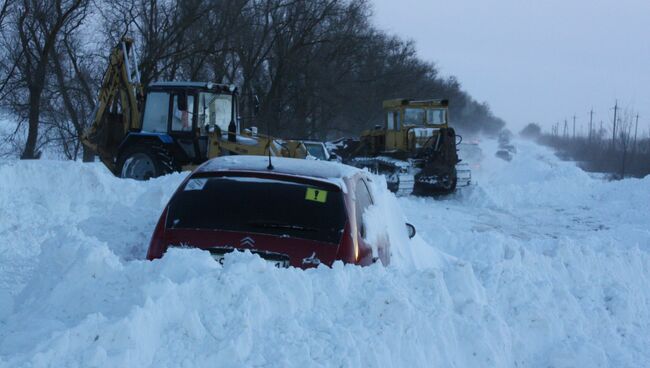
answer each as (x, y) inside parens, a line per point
(411, 230)
(333, 157)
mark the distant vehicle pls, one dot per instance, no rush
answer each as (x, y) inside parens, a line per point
(317, 150)
(506, 150)
(504, 155)
(298, 213)
(415, 148)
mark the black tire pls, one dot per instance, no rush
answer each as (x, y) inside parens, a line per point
(144, 161)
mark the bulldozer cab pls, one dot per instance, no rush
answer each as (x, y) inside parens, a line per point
(410, 124)
(406, 113)
(190, 112)
(415, 149)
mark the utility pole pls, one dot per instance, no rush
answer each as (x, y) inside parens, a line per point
(625, 142)
(614, 129)
(565, 131)
(636, 127)
(591, 120)
(574, 126)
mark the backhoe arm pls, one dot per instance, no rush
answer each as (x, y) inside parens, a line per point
(119, 104)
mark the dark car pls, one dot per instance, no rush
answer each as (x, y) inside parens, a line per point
(299, 213)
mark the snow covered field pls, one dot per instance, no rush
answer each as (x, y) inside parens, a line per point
(537, 265)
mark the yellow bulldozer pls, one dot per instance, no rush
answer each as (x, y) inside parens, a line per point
(415, 148)
(142, 133)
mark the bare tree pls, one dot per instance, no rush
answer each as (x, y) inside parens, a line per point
(37, 26)
(4, 11)
(320, 68)
(72, 101)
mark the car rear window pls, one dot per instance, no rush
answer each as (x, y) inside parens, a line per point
(259, 205)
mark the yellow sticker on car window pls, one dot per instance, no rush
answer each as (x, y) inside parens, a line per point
(316, 195)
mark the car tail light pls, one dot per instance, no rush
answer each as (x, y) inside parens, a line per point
(157, 245)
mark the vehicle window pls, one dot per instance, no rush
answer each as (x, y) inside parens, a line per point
(256, 205)
(436, 116)
(182, 120)
(390, 120)
(362, 202)
(156, 112)
(414, 116)
(316, 150)
(215, 110)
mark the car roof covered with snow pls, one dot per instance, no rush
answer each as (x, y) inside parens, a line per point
(323, 170)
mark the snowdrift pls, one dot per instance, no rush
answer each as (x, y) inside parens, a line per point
(536, 265)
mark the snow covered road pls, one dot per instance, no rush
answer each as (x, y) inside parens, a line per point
(537, 265)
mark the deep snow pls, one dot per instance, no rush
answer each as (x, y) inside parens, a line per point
(537, 265)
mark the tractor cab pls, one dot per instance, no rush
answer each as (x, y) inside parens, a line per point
(189, 112)
(171, 126)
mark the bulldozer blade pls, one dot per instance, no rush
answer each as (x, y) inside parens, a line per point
(463, 175)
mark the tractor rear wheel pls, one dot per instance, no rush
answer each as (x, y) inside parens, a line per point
(144, 161)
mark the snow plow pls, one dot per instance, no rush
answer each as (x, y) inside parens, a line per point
(143, 133)
(415, 149)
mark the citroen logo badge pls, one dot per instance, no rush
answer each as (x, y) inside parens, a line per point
(247, 242)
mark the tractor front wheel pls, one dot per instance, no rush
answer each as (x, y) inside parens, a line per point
(144, 161)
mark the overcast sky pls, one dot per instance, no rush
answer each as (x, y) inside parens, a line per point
(535, 60)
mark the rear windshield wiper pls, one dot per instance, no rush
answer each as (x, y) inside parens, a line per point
(277, 225)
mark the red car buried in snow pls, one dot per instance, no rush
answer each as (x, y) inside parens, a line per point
(299, 213)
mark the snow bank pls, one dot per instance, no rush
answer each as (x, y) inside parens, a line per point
(537, 265)
(562, 258)
(43, 201)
